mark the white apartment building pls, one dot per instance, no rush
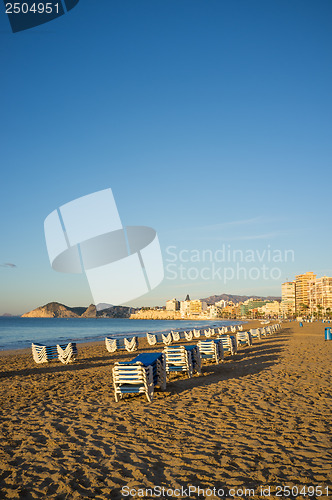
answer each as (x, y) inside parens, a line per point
(320, 295)
(287, 305)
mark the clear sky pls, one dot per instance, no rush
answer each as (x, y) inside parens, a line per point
(209, 119)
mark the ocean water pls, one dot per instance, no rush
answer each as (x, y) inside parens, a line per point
(19, 333)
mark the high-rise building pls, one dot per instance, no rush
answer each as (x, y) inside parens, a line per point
(302, 284)
(288, 298)
(320, 295)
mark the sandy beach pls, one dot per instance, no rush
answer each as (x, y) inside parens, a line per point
(261, 419)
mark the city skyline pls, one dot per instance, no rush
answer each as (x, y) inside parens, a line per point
(210, 123)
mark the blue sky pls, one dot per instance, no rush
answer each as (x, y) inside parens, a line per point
(210, 120)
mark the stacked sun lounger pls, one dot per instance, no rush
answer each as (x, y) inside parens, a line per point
(182, 335)
(44, 354)
(211, 350)
(141, 375)
(182, 358)
(229, 344)
(243, 338)
(115, 344)
(196, 333)
(158, 338)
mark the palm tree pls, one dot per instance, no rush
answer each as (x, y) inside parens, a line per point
(319, 307)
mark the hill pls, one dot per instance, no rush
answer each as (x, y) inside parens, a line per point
(57, 310)
(212, 299)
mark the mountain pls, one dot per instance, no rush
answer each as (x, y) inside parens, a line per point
(90, 312)
(235, 298)
(57, 310)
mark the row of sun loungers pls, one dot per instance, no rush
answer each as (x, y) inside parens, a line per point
(208, 348)
(137, 375)
(171, 337)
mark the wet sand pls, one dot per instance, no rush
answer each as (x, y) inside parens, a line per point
(260, 419)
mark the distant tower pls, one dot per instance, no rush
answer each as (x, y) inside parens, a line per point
(188, 298)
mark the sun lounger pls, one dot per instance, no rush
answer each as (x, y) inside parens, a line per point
(44, 354)
(116, 344)
(152, 338)
(67, 353)
(178, 359)
(255, 333)
(196, 358)
(175, 336)
(229, 344)
(211, 350)
(269, 330)
(208, 333)
(167, 338)
(141, 375)
(196, 333)
(188, 335)
(159, 338)
(243, 338)
(178, 336)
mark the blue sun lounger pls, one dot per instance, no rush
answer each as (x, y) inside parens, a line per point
(211, 349)
(182, 358)
(229, 344)
(243, 338)
(141, 375)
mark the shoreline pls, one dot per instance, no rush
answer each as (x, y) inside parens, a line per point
(86, 345)
(139, 334)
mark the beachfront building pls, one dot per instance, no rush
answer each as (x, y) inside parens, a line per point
(320, 296)
(229, 311)
(288, 298)
(250, 305)
(270, 309)
(302, 284)
(184, 307)
(197, 306)
(221, 303)
(214, 311)
(172, 305)
(192, 307)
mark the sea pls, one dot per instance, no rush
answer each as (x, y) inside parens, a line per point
(19, 333)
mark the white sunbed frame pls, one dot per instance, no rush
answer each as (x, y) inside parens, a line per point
(115, 344)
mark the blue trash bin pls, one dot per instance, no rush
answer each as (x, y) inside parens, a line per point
(328, 333)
